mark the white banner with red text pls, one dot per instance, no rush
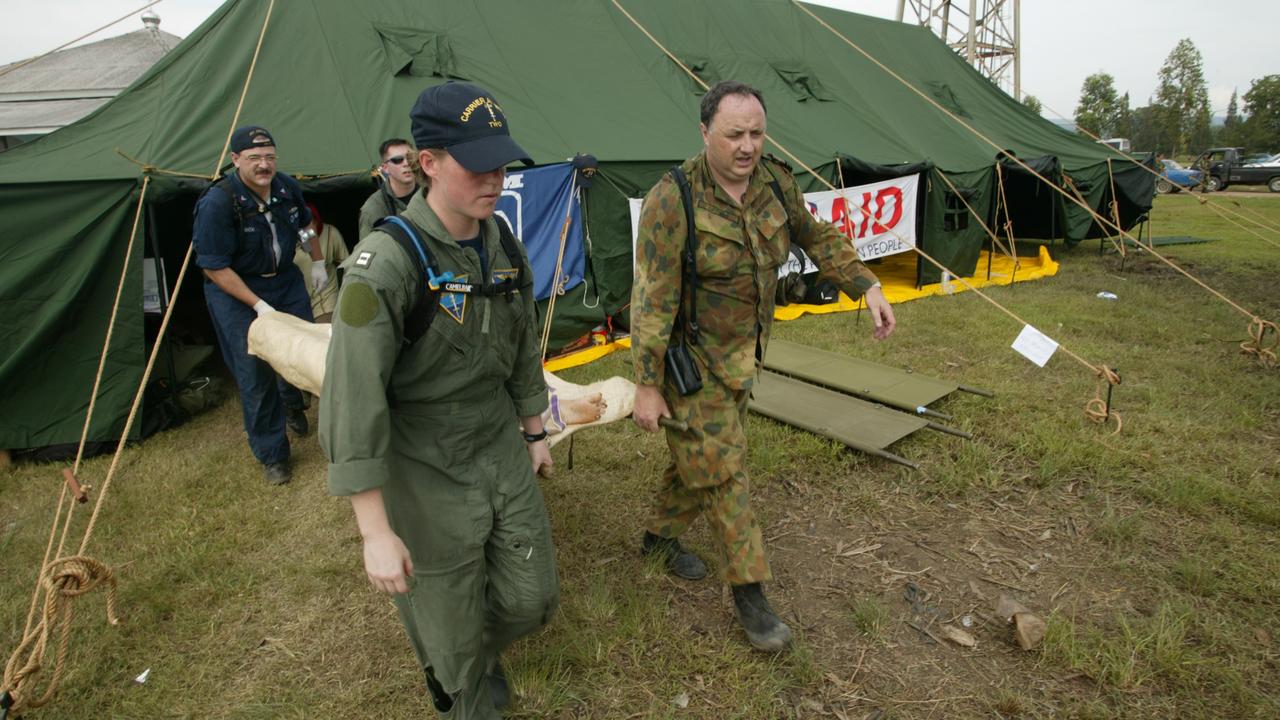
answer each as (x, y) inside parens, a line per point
(880, 217)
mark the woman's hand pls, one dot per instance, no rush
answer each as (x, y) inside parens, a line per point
(540, 456)
(387, 562)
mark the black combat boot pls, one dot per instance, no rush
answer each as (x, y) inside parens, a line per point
(679, 562)
(296, 420)
(277, 473)
(764, 629)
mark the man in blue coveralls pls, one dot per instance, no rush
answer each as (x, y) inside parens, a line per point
(246, 226)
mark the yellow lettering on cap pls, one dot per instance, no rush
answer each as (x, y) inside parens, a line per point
(472, 106)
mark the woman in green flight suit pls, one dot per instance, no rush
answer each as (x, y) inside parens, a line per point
(426, 437)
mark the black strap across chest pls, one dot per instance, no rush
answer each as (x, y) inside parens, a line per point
(688, 263)
(432, 282)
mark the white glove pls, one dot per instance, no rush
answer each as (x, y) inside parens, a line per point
(262, 308)
(319, 276)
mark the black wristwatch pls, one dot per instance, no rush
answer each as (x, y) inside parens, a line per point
(534, 437)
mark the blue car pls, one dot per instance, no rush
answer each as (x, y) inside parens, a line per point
(1177, 178)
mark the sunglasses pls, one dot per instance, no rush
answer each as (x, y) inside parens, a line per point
(396, 159)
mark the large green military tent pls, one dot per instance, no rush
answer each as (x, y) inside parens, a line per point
(334, 78)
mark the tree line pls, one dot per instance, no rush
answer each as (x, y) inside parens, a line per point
(1176, 120)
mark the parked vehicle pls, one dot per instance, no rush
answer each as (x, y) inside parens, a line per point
(1226, 168)
(1176, 177)
(1264, 159)
(1121, 144)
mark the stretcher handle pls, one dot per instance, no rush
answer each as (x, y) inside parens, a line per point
(673, 424)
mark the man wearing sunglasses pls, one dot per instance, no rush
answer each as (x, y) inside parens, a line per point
(398, 184)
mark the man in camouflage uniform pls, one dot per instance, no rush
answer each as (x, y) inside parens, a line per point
(743, 231)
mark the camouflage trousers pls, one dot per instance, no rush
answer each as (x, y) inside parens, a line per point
(708, 476)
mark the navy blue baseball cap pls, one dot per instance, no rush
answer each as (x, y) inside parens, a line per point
(250, 136)
(465, 120)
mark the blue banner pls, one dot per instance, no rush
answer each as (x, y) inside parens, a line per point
(534, 203)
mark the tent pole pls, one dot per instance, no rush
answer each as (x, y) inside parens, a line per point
(840, 174)
(1008, 224)
(555, 279)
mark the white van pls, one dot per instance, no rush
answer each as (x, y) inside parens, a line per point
(1121, 144)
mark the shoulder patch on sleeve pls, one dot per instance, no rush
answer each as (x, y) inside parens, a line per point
(364, 258)
(358, 305)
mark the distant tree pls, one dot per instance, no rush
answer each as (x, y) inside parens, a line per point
(1233, 111)
(1146, 132)
(1262, 102)
(1099, 108)
(1184, 97)
(1232, 132)
(1033, 104)
(1124, 118)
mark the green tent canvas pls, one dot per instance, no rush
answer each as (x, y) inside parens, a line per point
(335, 78)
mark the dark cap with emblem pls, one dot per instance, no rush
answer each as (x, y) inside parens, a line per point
(465, 120)
(250, 136)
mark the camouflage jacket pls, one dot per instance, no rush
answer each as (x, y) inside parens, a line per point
(739, 250)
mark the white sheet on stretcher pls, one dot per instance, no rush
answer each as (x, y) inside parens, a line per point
(297, 350)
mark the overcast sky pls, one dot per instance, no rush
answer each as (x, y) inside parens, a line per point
(1062, 41)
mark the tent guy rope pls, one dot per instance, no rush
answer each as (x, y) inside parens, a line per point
(1253, 317)
(1203, 200)
(1100, 371)
(66, 578)
(28, 61)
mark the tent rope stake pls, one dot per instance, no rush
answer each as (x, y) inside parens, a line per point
(1259, 345)
(66, 578)
(1002, 151)
(1093, 369)
(1099, 410)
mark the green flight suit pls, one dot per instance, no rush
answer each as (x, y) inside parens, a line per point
(739, 250)
(380, 204)
(456, 479)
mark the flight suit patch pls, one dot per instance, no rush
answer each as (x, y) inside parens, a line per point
(358, 304)
(455, 303)
(364, 258)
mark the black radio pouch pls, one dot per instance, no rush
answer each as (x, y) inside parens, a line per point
(681, 367)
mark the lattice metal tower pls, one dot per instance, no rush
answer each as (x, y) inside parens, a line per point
(984, 32)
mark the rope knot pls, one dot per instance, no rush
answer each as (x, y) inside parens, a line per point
(1097, 409)
(1262, 342)
(63, 580)
(74, 576)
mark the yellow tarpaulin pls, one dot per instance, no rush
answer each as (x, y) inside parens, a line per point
(897, 275)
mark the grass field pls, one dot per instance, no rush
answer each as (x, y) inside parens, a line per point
(1152, 554)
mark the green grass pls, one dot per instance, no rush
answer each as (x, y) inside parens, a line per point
(1156, 551)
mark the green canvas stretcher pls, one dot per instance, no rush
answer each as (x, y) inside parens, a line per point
(856, 423)
(901, 389)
